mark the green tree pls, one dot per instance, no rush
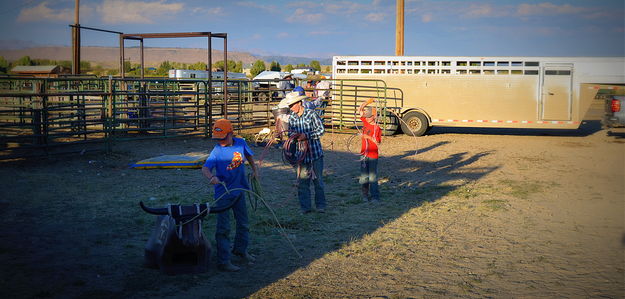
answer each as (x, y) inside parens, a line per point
(315, 65)
(300, 65)
(288, 68)
(198, 66)
(163, 69)
(24, 60)
(4, 65)
(127, 66)
(275, 66)
(219, 65)
(257, 68)
(239, 67)
(85, 66)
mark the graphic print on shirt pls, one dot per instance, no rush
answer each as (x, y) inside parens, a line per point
(237, 160)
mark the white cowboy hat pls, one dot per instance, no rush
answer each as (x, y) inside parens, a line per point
(291, 98)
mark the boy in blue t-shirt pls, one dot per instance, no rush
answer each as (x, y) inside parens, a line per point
(227, 161)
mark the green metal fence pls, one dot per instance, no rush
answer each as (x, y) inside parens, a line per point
(57, 115)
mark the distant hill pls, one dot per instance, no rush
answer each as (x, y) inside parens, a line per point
(109, 56)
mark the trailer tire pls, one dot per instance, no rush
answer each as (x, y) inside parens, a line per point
(389, 124)
(414, 124)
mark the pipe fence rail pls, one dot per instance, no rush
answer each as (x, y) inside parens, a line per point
(41, 116)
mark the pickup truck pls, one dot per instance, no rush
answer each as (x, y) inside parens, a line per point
(614, 112)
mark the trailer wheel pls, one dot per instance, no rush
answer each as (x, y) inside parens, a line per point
(414, 124)
(389, 124)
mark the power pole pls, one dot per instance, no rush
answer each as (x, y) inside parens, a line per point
(76, 41)
(399, 29)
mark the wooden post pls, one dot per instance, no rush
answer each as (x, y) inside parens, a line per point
(399, 29)
(76, 41)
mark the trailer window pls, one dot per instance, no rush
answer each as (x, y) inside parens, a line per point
(516, 72)
(503, 72)
(474, 63)
(461, 72)
(558, 72)
(488, 72)
(365, 71)
(502, 63)
(403, 63)
(409, 71)
(531, 72)
(352, 63)
(531, 63)
(461, 63)
(352, 71)
(379, 71)
(517, 63)
(340, 71)
(432, 63)
(365, 63)
(409, 63)
(446, 63)
(340, 62)
(379, 63)
(431, 71)
(474, 72)
(417, 63)
(489, 63)
(445, 71)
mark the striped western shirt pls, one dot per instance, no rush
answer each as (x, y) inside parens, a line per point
(310, 124)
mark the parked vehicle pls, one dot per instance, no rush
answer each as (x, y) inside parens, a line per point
(268, 79)
(614, 112)
(503, 92)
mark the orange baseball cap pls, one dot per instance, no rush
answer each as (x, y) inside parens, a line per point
(221, 128)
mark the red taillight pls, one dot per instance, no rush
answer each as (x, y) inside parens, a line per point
(616, 105)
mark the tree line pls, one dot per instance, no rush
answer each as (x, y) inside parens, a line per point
(259, 66)
(134, 69)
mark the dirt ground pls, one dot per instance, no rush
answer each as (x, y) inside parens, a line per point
(465, 213)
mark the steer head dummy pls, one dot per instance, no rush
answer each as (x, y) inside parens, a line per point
(177, 244)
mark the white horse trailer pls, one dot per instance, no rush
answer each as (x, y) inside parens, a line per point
(508, 92)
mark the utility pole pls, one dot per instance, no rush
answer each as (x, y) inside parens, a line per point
(399, 29)
(76, 41)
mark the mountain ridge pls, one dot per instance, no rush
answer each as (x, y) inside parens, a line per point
(153, 56)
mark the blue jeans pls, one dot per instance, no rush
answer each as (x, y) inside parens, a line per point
(304, 176)
(222, 232)
(369, 177)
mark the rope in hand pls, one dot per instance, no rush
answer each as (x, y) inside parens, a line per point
(294, 151)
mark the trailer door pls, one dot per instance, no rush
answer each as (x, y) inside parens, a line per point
(556, 92)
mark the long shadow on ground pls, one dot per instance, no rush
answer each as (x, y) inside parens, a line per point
(82, 234)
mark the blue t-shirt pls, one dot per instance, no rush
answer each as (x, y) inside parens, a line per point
(228, 164)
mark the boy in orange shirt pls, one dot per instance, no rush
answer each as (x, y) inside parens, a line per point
(371, 138)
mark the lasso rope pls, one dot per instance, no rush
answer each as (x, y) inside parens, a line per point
(297, 156)
(256, 196)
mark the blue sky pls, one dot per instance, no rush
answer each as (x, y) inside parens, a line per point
(326, 28)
